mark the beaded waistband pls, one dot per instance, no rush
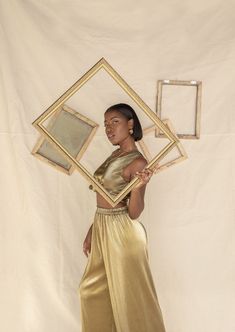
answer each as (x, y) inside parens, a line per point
(119, 210)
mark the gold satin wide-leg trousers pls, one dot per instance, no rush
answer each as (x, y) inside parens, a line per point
(116, 291)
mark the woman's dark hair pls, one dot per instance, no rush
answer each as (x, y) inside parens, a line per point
(129, 113)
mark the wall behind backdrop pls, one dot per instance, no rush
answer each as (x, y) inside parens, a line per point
(190, 212)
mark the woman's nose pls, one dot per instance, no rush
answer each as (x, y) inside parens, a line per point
(108, 128)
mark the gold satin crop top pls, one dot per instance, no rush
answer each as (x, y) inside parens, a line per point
(109, 174)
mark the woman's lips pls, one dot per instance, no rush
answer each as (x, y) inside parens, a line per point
(110, 136)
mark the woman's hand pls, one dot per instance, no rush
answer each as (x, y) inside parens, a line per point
(145, 175)
(87, 242)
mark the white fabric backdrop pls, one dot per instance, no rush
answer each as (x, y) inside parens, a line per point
(45, 47)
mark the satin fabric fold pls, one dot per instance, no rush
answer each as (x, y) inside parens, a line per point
(116, 291)
(109, 174)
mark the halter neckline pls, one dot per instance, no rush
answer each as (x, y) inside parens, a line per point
(124, 153)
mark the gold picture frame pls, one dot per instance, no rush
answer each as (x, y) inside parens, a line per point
(103, 64)
(77, 140)
(143, 147)
(198, 85)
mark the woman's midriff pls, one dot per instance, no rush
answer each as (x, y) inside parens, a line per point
(101, 202)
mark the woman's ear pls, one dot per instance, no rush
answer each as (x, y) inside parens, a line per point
(130, 124)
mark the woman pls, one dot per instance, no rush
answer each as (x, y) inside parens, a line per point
(117, 291)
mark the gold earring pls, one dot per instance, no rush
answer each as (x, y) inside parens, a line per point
(131, 131)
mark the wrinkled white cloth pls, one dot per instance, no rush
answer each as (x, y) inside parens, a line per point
(189, 212)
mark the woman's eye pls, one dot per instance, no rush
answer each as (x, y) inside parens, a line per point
(112, 123)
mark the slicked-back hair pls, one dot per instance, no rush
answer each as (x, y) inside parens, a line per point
(129, 113)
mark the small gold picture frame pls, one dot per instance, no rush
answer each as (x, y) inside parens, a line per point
(197, 103)
(164, 165)
(103, 64)
(73, 130)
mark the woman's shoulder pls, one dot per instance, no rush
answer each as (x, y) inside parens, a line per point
(139, 161)
(132, 158)
(136, 165)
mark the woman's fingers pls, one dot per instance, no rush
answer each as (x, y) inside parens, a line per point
(155, 168)
(147, 173)
(86, 251)
(86, 248)
(145, 177)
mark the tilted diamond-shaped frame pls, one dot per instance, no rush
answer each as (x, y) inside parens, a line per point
(103, 64)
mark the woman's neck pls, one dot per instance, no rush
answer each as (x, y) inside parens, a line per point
(127, 145)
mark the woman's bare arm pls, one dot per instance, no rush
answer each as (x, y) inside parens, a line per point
(136, 201)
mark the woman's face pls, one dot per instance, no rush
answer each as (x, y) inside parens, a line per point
(116, 126)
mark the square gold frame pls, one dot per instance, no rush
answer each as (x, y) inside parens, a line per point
(42, 139)
(198, 84)
(179, 146)
(103, 64)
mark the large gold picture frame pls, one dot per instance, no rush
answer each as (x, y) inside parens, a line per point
(198, 85)
(75, 140)
(103, 64)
